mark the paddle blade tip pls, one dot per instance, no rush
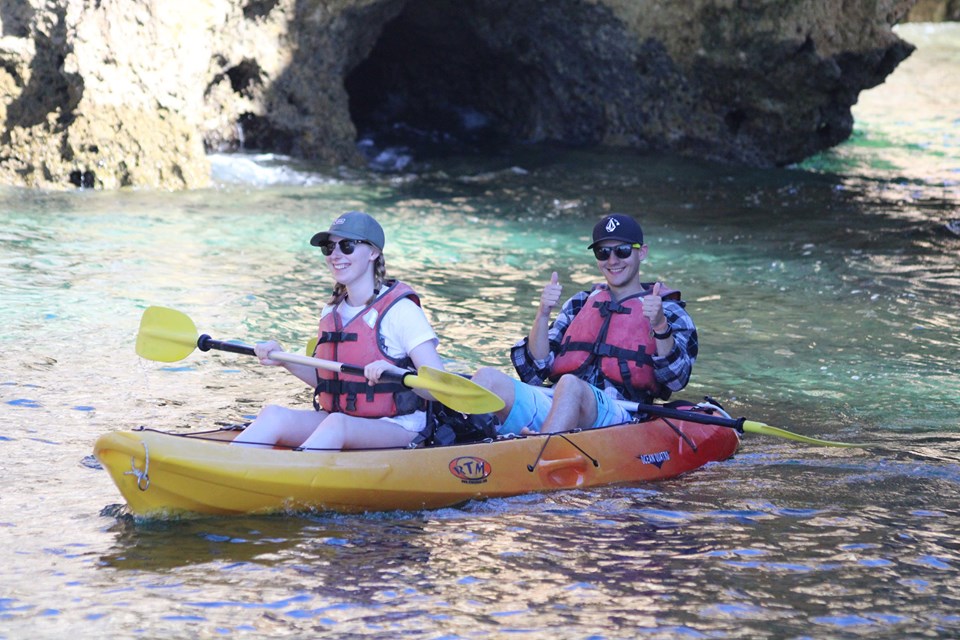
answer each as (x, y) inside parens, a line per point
(764, 429)
(459, 393)
(165, 335)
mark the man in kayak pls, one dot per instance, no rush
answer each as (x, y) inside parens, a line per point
(369, 319)
(622, 340)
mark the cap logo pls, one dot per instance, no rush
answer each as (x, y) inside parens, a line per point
(612, 225)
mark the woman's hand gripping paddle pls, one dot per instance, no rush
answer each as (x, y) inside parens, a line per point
(167, 335)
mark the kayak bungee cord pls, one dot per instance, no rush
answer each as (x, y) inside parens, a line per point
(531, 467)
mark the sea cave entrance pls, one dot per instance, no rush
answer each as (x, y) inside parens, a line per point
(477, 74)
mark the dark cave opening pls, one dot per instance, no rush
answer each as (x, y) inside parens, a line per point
(476, 76)
(432, 82)
(480, 75)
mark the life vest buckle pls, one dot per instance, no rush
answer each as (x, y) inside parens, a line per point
(607, 307)
(336, 336)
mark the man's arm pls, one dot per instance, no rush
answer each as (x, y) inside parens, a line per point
(534, 370)
(673, 369)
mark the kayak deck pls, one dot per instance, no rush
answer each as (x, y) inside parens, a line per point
(160, 473)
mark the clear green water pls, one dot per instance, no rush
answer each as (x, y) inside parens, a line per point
(826, 298)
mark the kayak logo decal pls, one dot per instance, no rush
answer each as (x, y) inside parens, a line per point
(656, 459)
(470, 469)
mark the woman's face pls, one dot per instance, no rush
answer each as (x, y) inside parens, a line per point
(349, 267)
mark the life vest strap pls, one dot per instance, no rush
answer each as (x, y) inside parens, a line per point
(337, 387)
(351, 389)
(336, 336)
(604, 350)
(570, 345)
(607, 307)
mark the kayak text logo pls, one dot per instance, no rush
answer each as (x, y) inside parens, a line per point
(470, 469)
(656, 459)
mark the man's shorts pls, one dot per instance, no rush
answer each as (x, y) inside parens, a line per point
(532, 404)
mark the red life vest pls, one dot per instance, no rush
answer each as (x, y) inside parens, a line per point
(359, 342)
(616, 337)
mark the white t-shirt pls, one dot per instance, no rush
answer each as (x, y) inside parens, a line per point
(404, 328)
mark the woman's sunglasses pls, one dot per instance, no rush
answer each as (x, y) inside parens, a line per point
(623, 251)
(346, 246)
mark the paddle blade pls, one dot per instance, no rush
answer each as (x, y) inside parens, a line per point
(165, 335)
(456, 392)
(767, 430)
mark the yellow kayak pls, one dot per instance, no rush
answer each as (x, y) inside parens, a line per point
(162, 474)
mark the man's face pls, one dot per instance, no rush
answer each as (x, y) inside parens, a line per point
(618, 261)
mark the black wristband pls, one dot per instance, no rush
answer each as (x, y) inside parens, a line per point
(666, 334)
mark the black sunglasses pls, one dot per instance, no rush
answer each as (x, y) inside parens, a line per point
(623, 251)
(346, 246)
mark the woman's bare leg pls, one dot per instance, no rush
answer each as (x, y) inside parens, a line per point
(277, 425)
(340, 431)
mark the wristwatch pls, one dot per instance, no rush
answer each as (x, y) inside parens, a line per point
(666, 334)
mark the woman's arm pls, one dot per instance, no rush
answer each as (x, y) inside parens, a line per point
(423, 355)
(306, 373)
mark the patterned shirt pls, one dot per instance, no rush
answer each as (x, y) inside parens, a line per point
(671, 371)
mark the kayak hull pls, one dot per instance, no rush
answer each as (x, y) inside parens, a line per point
(164, 474)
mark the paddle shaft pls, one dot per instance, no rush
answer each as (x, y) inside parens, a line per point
(206, 343)
(740, 424)
(691, 416)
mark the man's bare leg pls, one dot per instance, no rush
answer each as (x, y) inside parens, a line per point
(499, 383)
(574, 405)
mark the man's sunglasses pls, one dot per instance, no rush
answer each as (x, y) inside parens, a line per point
(346, 246)
(623, 251)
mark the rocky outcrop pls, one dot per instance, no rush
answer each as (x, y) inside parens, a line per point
(935, 11)
(97, 97)
(113, 93)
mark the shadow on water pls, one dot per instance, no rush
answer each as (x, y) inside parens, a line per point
(168, 544)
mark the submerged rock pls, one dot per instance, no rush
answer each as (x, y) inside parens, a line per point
(134, 93)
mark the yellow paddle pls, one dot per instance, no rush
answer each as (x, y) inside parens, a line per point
(740, 424)
(167, 335)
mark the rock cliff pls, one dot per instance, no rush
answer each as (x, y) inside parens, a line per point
(114, 93)
(935, 11)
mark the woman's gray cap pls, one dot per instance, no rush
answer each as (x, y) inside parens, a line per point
(353, 225)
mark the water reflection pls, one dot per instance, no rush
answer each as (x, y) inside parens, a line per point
(907, 127)
(619, 558)
(158, 545)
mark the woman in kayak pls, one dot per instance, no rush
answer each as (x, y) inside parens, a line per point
(368, 319)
